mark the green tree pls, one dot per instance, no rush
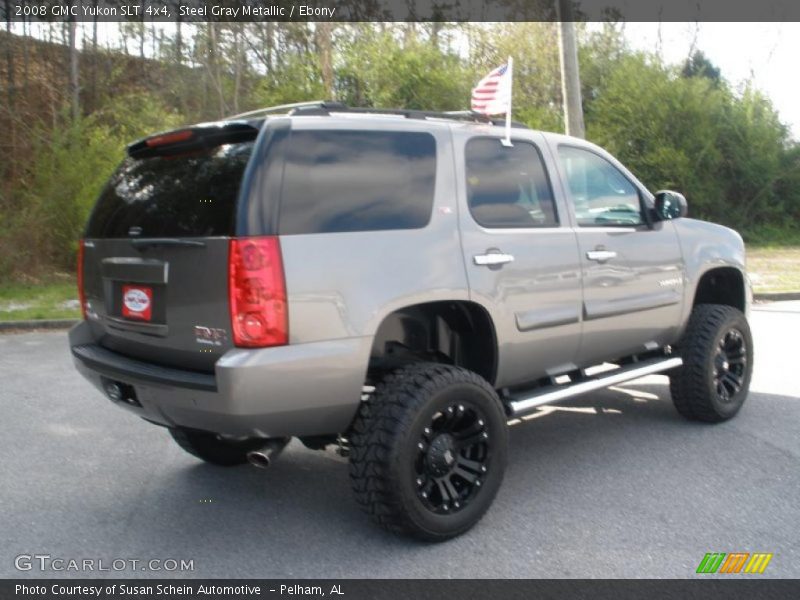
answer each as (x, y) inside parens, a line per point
(698, 65)
(752, 142)
(662, 127)
(71, 165)
(537, 76)
(378, 69)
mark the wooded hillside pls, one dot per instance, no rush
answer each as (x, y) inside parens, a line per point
(74, 95)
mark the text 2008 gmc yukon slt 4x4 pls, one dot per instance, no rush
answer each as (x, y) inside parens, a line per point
(402, 283)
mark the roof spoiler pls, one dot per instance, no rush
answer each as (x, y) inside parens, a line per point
(193, 139)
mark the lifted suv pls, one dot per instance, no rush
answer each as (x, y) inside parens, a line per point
(401, 283)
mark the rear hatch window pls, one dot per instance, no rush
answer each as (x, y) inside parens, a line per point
(156, 247)
(172, 196)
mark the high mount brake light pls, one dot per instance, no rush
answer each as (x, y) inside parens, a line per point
(169, 138)
(257, 292)
(81, 293)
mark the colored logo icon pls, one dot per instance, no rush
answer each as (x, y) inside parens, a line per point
(734, 562)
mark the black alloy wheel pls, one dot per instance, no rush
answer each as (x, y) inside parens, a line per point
(428, 450)
(717, 353)
(730, 365)
(452, 459)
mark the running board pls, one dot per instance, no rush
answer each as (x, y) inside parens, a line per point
(526, 403)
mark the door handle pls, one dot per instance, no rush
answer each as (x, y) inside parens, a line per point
(492, 258)
(601, 255)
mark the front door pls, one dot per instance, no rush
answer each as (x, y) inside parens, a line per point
(632, 272)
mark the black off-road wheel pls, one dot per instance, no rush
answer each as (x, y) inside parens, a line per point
(428, 451)
(213, 449)
(717, 352)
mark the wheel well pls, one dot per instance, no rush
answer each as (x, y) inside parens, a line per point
(724, 285)
(454, 332)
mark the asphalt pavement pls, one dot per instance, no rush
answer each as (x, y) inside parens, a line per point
(613, 484)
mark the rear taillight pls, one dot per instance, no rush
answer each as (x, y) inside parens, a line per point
(257, 292)
(81, 294)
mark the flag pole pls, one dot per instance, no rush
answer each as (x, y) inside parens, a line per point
(507, 140)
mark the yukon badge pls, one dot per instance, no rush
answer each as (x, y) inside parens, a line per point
(210, 336)
(670, 282)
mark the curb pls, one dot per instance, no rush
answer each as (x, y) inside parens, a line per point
(776, 296)
(37, 324)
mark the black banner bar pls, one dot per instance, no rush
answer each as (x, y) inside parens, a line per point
(417, 589)
(396, 10)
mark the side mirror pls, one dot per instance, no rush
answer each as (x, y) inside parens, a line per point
(671, 205)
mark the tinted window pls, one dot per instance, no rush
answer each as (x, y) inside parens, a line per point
(184, 196)
(357, 181)
(601, 194)
(508, 186)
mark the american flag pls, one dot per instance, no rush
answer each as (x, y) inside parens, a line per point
(492, 95)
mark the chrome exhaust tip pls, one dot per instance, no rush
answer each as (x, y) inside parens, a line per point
(264, 456)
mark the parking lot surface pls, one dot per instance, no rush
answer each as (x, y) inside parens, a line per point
(613, 484)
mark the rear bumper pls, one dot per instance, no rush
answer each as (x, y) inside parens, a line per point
(115, 366)
(301, 389)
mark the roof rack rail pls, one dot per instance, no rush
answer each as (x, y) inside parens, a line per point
(280, 108)
(326, 107)
(467, 115)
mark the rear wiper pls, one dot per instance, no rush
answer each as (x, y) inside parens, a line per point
(149, 242)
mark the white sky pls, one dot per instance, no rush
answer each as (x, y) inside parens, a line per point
(767, 53)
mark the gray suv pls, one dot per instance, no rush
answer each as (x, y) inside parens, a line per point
(398, 283)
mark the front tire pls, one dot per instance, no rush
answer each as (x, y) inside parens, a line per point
(213, 449)
(428, 451)
(717, 352)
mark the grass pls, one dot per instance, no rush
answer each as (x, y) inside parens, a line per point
(774, 269)
(55, 298)
(771, 269)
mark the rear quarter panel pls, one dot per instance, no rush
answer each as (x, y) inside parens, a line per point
(342, 285)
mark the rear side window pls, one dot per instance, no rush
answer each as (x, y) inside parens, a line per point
(336, 181)
(181, 196)
(508, 186)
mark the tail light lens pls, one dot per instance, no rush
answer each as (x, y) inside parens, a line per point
(257, 290)
(166, 139)
(81, 294)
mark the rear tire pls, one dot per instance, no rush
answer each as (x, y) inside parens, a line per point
(717, 352)
(212, 449)
(428, 451)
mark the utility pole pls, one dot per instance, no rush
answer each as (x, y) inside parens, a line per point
(74, 83)
(570, 76)
(323, 34)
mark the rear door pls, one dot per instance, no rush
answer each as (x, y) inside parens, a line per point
(521, 256)
(156, 250)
